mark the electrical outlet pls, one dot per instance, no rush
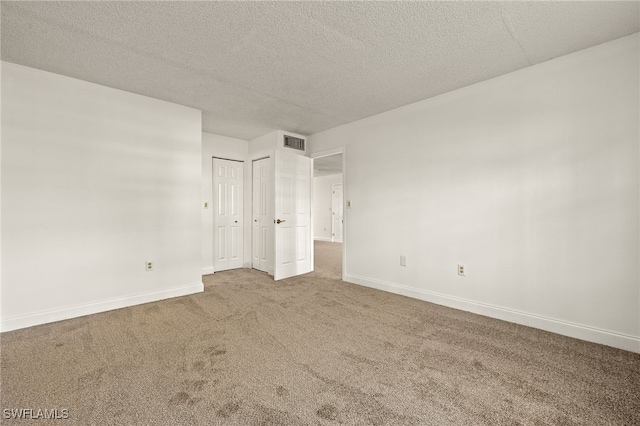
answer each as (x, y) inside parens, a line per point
(206, 205)
(403, 260)
(348, 204)
(461, 270)
(149, 265)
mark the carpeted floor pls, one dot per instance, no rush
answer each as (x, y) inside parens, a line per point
(311, 350)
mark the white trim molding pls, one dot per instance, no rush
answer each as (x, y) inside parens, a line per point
(328, 152)
(208, 270)
(39, 318)
(565, 328)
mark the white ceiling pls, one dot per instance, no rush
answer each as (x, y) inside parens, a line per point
(253, 67)
(329, 165)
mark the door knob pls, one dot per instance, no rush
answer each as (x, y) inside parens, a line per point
(280, 221)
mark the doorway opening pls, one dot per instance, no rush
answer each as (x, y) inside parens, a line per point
(329, 224)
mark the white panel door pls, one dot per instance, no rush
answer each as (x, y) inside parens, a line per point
(337, 212)
(261, 214)
(293, 244)
(227, 214)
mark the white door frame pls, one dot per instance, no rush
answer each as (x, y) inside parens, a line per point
(333, 213)
(325, 153)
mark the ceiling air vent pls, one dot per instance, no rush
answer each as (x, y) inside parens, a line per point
(295, 143)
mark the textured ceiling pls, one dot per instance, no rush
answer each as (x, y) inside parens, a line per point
(253, 67)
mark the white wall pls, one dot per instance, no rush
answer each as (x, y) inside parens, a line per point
(230, 149)
(530, 179)
(95, 182)
(322, 198)
(263, 146)
(1, 314)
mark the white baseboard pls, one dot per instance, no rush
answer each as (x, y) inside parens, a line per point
(321, 239)
(578, 331)
(30, 320)
(208, 270)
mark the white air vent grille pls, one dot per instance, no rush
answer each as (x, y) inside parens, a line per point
(295, 143)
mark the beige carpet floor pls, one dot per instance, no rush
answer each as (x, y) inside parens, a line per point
(311, 350)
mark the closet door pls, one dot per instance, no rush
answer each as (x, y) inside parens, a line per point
(227, 214)
(261, 223)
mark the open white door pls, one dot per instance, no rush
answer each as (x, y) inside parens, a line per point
(293, 244)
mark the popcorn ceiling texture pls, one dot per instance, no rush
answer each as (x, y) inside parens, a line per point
(253, 67)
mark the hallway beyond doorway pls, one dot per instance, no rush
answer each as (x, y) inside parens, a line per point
(328, 259)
